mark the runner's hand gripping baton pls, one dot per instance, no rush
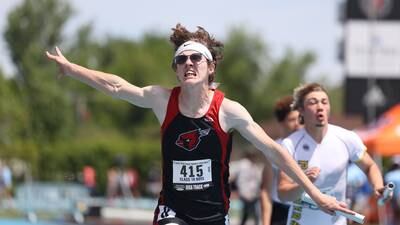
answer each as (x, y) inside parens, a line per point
(389, 188)
(356, 217)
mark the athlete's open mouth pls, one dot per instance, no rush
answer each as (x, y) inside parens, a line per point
(320, 116)
(190, 74)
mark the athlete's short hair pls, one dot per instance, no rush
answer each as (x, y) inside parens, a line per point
(303, 90)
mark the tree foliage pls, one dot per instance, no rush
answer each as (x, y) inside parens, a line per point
(32, 27)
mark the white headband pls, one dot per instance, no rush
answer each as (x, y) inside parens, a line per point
(195, 46)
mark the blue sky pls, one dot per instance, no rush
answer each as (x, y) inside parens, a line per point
(301, 25)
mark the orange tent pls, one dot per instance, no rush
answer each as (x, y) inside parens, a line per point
(383, 138)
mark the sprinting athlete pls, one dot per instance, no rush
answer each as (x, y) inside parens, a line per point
(323, 151)
(196, 126)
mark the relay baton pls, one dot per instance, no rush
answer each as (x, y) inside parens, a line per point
(389, 188)
(359, 218)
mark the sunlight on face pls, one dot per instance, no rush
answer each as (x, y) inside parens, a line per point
(191, 69)
(316, 109)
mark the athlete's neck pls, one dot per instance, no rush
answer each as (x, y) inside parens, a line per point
(194, 101)
(316, 132)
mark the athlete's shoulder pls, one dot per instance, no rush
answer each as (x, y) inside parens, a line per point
(340, 131)
(297, 135)
(231, 107)
(343, 134)
(279, 140)
(158, 98)
(157, 90)
(219, 92)
(233, 115)
(294, 138)
(336, 128)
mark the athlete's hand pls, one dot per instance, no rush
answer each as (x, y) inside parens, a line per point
(379, 194)
(61, 61)
(313, 173)
(329, 205)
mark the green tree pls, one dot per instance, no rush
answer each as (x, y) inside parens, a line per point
(32, 27)
(283, 76)
(41, 113)
(252, 77)
(14, 124)
(242, 66)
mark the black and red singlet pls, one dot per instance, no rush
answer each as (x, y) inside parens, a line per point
(195, 155)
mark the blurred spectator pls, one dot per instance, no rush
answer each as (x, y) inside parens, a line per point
(112, 183)
(132, 179)
(5, 182)
(89, 179)
(393, 175)
(246, 173)
(118, 180)
(154, 179)
(122, 182)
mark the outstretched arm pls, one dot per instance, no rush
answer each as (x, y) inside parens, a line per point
(289, 190)
(154, 97)
(235, 116)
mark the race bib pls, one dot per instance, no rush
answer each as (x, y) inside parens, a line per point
(191, 175)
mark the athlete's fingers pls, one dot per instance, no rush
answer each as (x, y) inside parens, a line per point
(330, 205)
(315, 169)
(58, 51)
(343, 208)
(343, 204)
(312, 173)
(379, 192)
(50, 56)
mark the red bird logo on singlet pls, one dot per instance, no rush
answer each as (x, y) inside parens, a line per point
(191, 139)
